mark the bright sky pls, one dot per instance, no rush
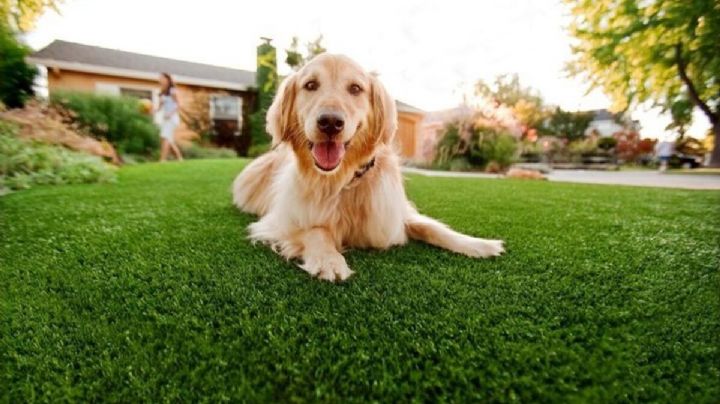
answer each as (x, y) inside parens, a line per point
(427, 52)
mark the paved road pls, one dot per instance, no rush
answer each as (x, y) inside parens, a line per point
(635, 178)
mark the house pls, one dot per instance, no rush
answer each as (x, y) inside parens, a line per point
(607, 124)
(409, 130)
(78, 67)
(231, 92)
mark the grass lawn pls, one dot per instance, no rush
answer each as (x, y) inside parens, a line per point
(148, 289)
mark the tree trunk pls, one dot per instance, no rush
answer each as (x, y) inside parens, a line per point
(715, 156)
(713, 117)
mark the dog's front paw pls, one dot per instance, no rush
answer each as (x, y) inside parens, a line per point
(481, 248)
(330, 267)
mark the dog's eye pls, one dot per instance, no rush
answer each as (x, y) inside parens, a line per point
(311, 85)
(355, 89)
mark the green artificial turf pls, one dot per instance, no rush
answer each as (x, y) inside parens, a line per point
(147, 290)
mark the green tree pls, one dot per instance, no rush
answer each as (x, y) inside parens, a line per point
(295, 59)
(16, 76)
(660, 51)
(266, 80)
(681, 113)
(566, 124)
(525, 102)
(20, 15)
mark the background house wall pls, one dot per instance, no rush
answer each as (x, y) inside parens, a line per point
(407, 134)
(69, 80)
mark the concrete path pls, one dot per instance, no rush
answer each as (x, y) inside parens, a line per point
(634, 178)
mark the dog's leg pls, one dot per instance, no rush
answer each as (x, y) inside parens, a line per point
(431, 231)
(321, 257)
(252, 188)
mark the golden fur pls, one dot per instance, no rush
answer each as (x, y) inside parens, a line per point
(312, 215)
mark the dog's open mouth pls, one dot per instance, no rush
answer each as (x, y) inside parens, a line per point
(328, 154)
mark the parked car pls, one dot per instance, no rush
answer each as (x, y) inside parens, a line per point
(679, 160)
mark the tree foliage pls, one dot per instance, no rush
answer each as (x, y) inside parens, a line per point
(295, 59)
(681, 113)
(266, 80)
(525, 102)
(21, 15)
(16, 76)
(666, 52)
(567, 124)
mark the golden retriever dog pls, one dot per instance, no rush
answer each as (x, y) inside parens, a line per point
(332, 180)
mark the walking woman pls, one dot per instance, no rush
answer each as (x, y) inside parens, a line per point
(170, 117)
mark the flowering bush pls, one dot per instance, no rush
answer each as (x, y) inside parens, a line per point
(467, 147)
(630, 148)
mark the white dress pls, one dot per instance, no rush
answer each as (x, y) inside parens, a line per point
(170, 118)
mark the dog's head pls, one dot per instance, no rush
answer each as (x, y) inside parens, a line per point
(333, 113)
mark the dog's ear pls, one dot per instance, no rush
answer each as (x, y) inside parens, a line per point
(281, 118)
(384, 113)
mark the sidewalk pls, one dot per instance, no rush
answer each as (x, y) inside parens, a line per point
(634, 178)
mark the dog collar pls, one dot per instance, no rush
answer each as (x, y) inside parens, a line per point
(364, 168)
(362, 171)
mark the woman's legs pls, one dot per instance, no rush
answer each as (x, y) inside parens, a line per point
(176, 151)
(167, 136)
(164, 149)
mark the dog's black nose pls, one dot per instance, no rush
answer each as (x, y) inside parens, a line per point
(330, 124)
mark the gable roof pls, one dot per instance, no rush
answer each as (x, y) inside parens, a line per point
(75, 56)
(403, 107)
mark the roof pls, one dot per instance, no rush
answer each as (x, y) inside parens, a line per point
(403, 107)
(75, 56)
(603, 115)
(95, 59)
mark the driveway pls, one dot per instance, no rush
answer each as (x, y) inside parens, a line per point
(635, 178)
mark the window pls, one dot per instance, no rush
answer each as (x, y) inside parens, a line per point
(137, 93)
(225, 107)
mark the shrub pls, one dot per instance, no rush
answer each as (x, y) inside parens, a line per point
(195, 151)
(606, 143)
(459, 164)
(16, 76)
(38, 122)
(531, 152)
(258, 149)
(477, 146)
(119, 120)
(491, 146)
(578, 149)
(584, 146)
(25, 163)
(450, 146)
(630, 148)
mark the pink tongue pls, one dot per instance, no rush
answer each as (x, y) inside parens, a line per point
(328, 154)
